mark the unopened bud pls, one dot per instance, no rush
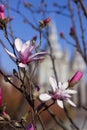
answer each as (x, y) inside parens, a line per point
(78, 75)
(47, 20)
(6, 116)
(72, 31)
(34, 40)
(62, 34)
(44, 23)
(30, 127)
(2, 8)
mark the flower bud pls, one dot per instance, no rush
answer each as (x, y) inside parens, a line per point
(30, 127)
(47, 20)
(6, 116)
(2, 12)
(27, 4)
(2, 8)
(62, 34)
(34, 40)
(72, 31)
(78, 75)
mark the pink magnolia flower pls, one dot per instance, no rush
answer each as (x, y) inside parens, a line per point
(25, 53)
(60, 93)
(2, 12)
(77, 76)
(30, 127)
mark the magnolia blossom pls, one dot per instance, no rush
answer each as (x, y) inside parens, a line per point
(30, 127)
(25, 53)
(59, 93)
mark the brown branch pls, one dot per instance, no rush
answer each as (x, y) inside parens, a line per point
(52, 57)
(78, 46)
(83, 7)
(6, 77)
(82, 31)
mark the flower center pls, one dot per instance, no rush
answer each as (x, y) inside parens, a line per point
(23, 58)
(59, 94)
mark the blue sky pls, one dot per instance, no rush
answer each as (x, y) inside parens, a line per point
(26, 32)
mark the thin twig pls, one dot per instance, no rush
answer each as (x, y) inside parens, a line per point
(68, 116)
(6, 77)
(52, 58)
(82, 30)
(83, 7)
(84, 123)
(41, 121)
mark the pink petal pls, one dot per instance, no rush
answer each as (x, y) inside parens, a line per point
(44, 97)
(39, 54)
(35, 59)
(18, 44)
(60, 103)
(53, 83)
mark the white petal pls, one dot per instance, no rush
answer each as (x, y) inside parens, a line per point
(60, 103)
(25, 46)
(53, 83)
(10, 54)
(28, 42)
(67, 95)
(69, 91)
(18, 44)
(64, 85)
(59, 84)
(22, 65)
(71, 103)
(44, 97)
